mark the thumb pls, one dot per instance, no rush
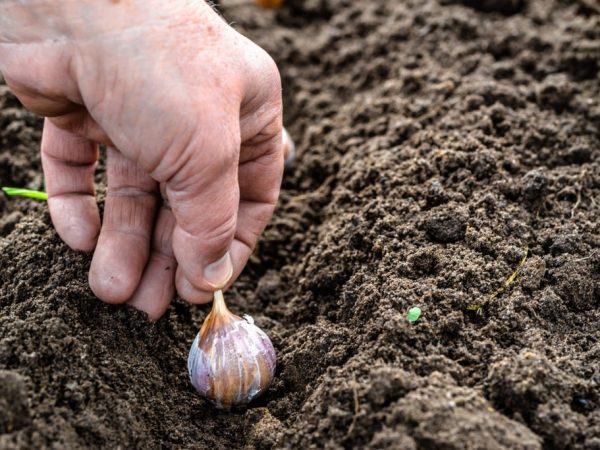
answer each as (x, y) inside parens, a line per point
(204, 197)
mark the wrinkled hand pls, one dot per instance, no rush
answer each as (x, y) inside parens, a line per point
(184, 104)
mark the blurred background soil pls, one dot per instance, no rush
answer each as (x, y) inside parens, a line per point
(438, 139)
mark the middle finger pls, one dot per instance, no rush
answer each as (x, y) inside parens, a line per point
(124, 243)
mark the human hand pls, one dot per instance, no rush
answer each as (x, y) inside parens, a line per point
(181, 101)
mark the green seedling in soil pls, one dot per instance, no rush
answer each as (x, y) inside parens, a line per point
(477, 307)
(19, 192)
(413, 314)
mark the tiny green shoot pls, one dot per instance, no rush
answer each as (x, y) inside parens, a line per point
(413, 314)
(19, 192)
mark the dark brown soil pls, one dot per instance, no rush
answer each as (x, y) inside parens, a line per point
(437, 141)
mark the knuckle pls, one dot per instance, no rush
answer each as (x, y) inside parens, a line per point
(227, 153)
(135, 192)
(263, 76)
(162, 240)
(270, 69)
(218, 235)
(221, 157)
(271, 79)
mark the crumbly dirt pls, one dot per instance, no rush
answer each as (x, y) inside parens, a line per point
(439, 140)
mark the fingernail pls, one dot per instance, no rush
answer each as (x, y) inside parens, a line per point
(218, 273)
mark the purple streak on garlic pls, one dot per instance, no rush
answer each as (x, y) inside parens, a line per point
(231, 361)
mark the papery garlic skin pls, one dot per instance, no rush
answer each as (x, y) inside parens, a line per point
(231, 360)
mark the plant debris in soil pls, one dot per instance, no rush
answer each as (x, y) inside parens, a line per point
(437, 139)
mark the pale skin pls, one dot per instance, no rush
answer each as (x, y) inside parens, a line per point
(185, 105)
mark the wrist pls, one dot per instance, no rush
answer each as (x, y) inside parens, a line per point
(35, 21)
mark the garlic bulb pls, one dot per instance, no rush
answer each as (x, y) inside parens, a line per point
(231, 361)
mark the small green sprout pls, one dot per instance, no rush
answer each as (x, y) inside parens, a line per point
(19, 192)
(413, 314)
